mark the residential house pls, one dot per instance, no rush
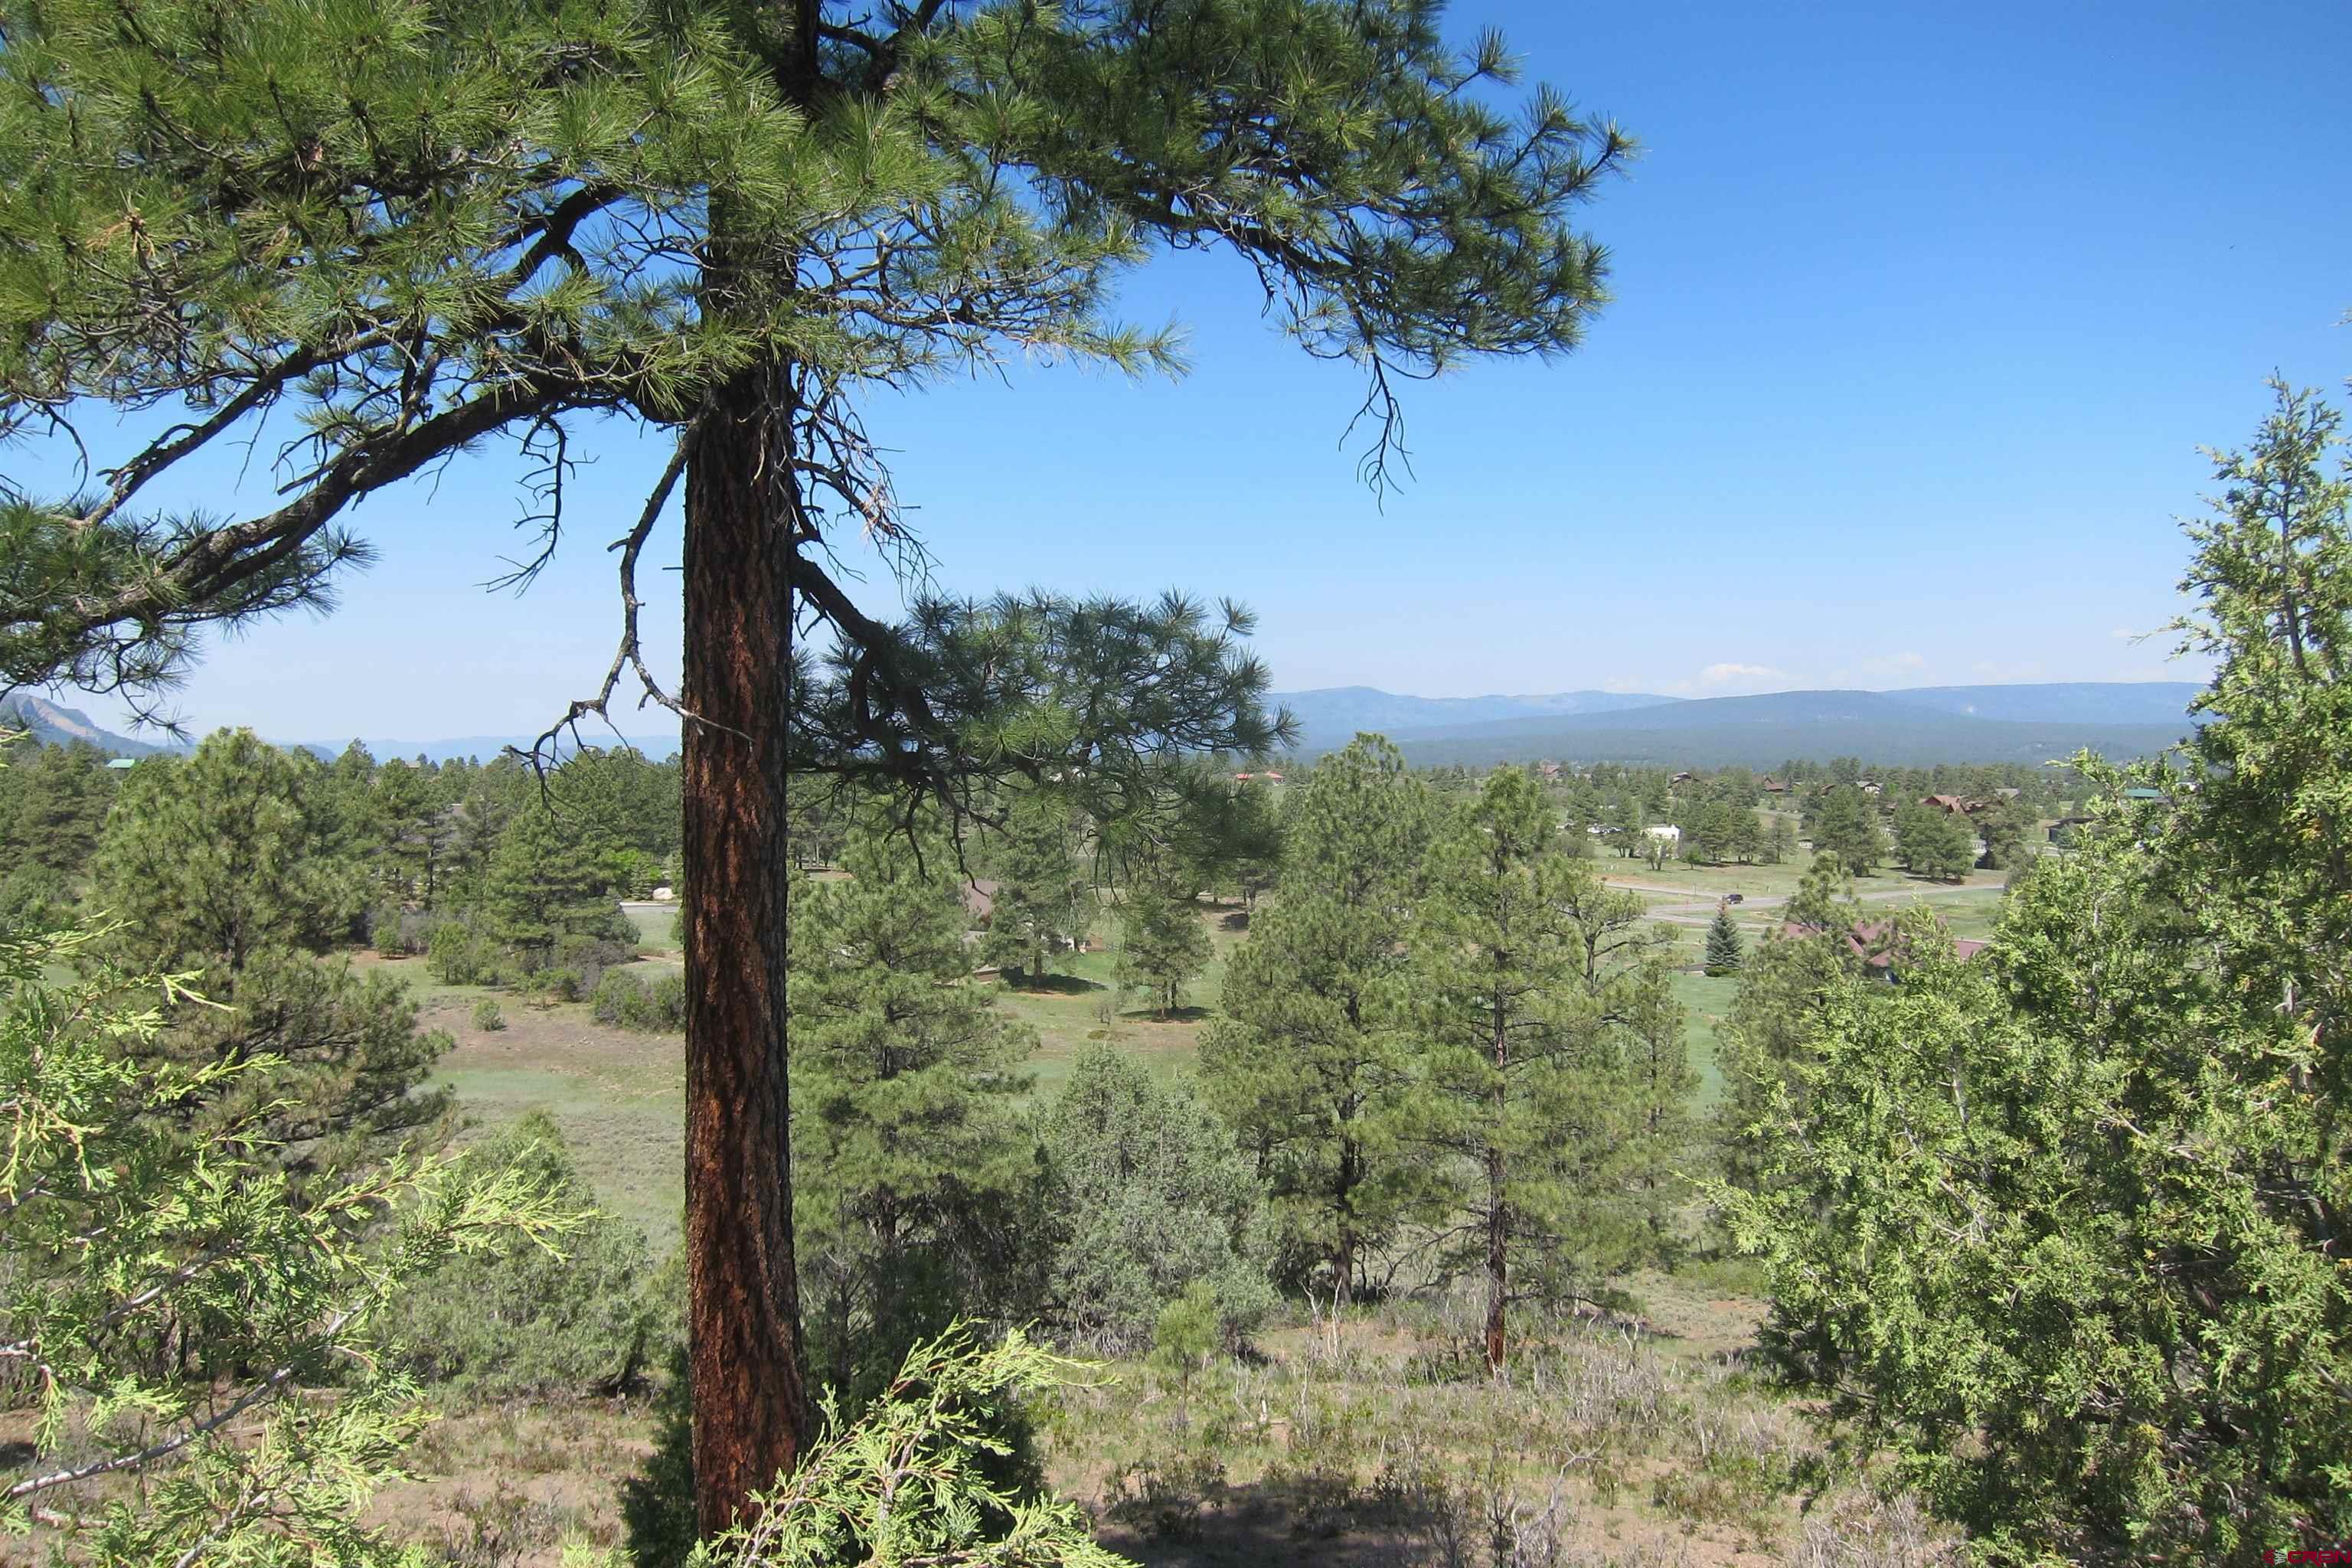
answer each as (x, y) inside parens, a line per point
(1878, 945)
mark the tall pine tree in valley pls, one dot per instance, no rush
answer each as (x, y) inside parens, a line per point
(214, 859)
(226, 864)
(1311, 1061)
(543, 884)
(1162, 944)
(912, 1167)
(1657, 1162)
(1043, 900)
(407, 232)
(1846, 826)
(1525, 1087)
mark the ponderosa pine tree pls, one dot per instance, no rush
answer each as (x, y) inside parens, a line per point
(224, 864)
(1042, 899)
(1524, 1084)
(214, 858)
(542, 885)
(1846, 825)
(2095, 1295)
(1162, 944)
(1656, 1160)
(1311, 1060)
(53, 805)
(909, 1212)
(406, 226)
(2009, 830)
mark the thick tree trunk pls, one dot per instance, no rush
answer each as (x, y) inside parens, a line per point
(1343, 1251)
(1498, 1232)
(743, 1311)
(1497, 1261)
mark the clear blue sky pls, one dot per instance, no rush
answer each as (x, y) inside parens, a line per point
(1921, 315)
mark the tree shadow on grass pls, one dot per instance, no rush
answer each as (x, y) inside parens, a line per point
(1055, 984)
(1238, 921)
(1174, 1016)
(1311, 1520)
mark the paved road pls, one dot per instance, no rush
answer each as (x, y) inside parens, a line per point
(1702, 911)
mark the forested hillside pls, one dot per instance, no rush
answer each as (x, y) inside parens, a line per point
(1004, 1094)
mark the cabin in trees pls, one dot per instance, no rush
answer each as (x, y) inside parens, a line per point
(1949, 804)
(1774, 786)
(1880, 944)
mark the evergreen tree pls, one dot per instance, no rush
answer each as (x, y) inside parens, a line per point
(1149, 1197)
(1824, 898)
(1847, 826)
(212, 860)
(1524, 1086)
(182, 1278)
(222, 863)
(53, 805)
(411, 839)
(2092, 1298)
(912, 1170)
(1625, 819)
(2009, 830)
(1043, 899)
(1778, 842)
(1311, 1060)
(1162, 944)
(1723, 949)
(543, 884)
(1657, 1159)
(523, 219)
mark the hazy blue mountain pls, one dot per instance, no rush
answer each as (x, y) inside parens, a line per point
(2064, 701)
(1764, 731)
(60, 726)
(1332, 715)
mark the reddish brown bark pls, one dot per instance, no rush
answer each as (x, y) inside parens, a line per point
(744, 1309)
(1498, 1232)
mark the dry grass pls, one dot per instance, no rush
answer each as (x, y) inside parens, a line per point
(1383, 1442)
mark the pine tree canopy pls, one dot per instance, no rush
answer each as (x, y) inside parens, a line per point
(400, 229)
(406, 226)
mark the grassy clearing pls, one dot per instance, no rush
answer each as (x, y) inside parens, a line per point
(618, 1097)
(1382, 1441)
(657, 927)
(1080, 1005)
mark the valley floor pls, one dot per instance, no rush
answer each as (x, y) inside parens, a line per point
(1378, 1441)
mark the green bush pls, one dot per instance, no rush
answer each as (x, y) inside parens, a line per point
(1152, 1199)
(524, 1320)
(459, 954)
(486, 1014)
(623, 1001)
(670, 1004)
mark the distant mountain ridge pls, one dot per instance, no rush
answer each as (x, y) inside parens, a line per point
(58, 726)
(2063, 702)
(480, 748)
(1337, 713)
(2024, 723)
